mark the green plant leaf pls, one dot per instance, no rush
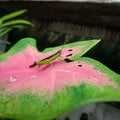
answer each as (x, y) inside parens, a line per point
(16, 22)
(6, 42)
(87, 45)
(12, 15)
(1, 21)
(45, 93)
(5, 31)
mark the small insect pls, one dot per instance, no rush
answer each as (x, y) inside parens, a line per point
(47, 60)
(50, 58)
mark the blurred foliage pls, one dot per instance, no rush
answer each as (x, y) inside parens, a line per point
(7, 23)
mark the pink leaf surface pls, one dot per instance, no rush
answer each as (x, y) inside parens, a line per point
(15, 74)
(58, 87)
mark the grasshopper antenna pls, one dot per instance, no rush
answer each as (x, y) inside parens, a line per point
(65, 41)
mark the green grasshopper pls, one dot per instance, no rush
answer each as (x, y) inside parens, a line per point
(48, 59)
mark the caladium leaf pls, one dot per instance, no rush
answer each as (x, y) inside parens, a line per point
(51, 90)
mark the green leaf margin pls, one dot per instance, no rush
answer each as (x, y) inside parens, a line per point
(23, 43)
